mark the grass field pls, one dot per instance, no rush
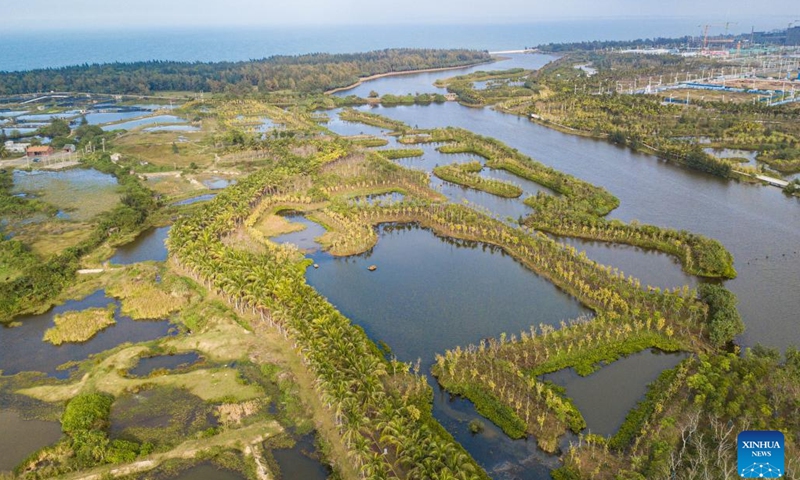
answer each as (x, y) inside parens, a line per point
(54, 236)
(77, 327)
(157, 149)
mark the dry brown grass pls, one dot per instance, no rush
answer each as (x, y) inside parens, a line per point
(234, 413)
(273, 225)
(76, 327)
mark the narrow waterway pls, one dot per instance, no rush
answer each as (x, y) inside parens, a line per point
(758, 224)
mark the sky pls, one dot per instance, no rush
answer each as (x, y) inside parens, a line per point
(81, 14)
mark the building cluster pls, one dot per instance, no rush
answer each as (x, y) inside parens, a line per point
(36, 150)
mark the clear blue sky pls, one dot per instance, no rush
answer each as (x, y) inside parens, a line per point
(144, 13)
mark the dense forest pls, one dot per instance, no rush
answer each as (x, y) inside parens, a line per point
(315, 72)
(659, 42)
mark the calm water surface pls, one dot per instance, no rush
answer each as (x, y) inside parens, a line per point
(430, 294)
(148, 246)
(81, 192)
(20, 438)
(299, 461)
(22, 348)
(146, 366)
(759, 225)
(423, 82)
(598, 397)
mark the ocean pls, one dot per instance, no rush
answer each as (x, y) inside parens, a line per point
(22, 49)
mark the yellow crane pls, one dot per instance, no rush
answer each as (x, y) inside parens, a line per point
(705, 28)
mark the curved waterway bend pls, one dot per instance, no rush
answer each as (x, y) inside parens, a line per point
(759, 225)
(414, 83)
(651, 267)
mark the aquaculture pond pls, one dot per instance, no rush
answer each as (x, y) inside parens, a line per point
(147, 365)
(144, 121)
(98, 118)
(21, 437)
(22, 348)
(598, 397)
(148, 246)
(80, 193)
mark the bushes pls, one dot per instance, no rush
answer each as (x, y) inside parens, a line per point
(492, 408)
(723, 319)
(85, 421)
(87, 411)
(467, 175)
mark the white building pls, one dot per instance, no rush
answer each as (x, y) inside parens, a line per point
(12, 147)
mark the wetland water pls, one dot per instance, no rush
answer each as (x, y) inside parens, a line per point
(22, 437)
(423, 82)
(430, 294)
(759, 225)
(148, 246)
(22, 348)
(602, 387)
(81, 192)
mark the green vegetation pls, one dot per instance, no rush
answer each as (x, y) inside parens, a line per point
(283, 344)
(385, 403)
(306, 73)
(15, 258)
(372, 119)
(724, 322)
(86, 441)
(43, 281)
(418, 99)
(579, 208)
(691, 416)
(399, 153)
(144, 298)
(77, 327)
(502, 85)
(371, 142)
(466, 174)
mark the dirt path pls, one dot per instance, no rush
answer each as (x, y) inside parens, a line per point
(251, 437)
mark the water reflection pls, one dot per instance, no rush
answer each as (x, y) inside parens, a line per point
(22, 348)
(599, 397)
(148, 246)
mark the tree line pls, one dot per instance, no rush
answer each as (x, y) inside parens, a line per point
(316, 72)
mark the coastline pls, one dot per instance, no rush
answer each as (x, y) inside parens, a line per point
(407, 72)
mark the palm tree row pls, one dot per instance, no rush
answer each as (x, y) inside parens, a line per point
(466, 174)
(381, 410)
